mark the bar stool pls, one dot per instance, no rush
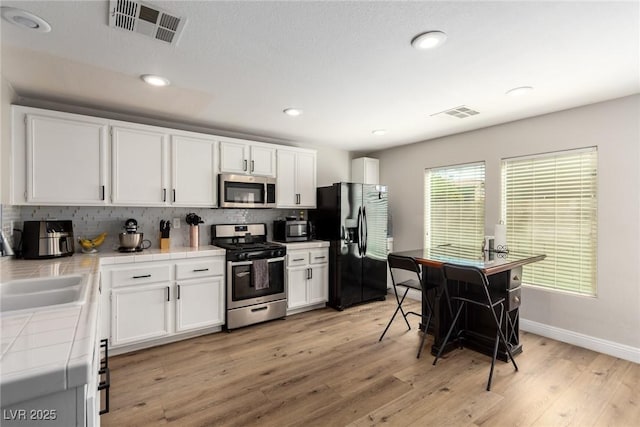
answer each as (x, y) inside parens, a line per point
(475, 277)
(409, 264)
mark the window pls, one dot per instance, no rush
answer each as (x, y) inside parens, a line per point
(454, 205)
(549, 206)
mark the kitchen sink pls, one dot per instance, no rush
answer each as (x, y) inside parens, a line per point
(43, 293)
(38, 285)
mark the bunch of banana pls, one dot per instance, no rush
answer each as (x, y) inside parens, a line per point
(90, 245)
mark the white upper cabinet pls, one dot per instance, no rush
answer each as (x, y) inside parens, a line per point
(234, 157)
(193, 171)
(139, 166)
(296, 179)
(365, 170)
(243, 157)
(66, 158)
(263, 161)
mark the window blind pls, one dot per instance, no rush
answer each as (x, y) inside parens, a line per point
(454, 205)
(376, 204)
(549, 206)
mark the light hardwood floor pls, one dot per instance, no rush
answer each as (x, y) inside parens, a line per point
(327, 368)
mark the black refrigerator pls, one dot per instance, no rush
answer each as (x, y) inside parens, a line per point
(353, 218)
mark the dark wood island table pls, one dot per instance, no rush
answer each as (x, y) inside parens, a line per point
(504, 271)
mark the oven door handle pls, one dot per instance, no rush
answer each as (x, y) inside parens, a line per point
(236, 263)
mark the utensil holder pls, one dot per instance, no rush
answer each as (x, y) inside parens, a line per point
(165, 243)
(193, 236)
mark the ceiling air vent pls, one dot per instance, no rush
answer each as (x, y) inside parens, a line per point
(460, 112)
(145, 19)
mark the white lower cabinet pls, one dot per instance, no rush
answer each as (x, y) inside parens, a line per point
(307, 278)
(140, 313)
(297, 286)
(192, 309)
(158, 301)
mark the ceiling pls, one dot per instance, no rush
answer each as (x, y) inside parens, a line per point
(348, 65)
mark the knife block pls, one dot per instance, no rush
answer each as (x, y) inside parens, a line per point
(165, 243)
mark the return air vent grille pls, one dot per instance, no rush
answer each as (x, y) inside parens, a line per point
(145, 19)
(460, 112)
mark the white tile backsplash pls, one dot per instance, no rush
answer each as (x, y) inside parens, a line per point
(88, 222)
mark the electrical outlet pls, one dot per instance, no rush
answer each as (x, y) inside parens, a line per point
(7, 229)
(176, 222)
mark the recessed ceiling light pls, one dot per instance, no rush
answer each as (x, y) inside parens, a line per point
(293, 112)
(25, 19)
(154, 80)
(428, 40)
(379, 132)
(517, 91)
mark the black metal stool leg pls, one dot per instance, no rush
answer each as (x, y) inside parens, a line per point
(398, 308)
(446, 338)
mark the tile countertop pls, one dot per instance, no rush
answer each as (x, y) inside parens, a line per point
(46, 350)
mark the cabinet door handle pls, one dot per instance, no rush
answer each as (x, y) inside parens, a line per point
(311, 273)
(318, 257)
(178, 296)
(168, 294)
(253, 165)
(142, 277)
(102, 192)
(174, 195)
(298, 259)
(245, 166)
(164, 194)
(198, 270)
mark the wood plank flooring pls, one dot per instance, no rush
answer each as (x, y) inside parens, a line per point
(327, 368)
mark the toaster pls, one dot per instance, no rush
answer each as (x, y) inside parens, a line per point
(47, 239)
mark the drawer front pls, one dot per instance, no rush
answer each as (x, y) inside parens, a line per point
(295, 259)
(200, 268)
(140, 275)
(513, 299)
(319, 256)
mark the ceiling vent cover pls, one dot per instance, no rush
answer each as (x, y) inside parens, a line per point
(145, 19)
(460, 112)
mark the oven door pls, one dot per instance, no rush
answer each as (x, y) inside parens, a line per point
(241, 291)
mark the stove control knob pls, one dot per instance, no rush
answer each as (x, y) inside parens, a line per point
(280, 252)
(242, 255)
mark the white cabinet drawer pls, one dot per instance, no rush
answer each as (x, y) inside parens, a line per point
(297, 258)
(319, 256)
(140, 275)
(199, 268)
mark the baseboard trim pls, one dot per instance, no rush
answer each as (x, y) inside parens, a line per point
(611, 348)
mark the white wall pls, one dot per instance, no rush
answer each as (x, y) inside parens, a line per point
(7, 96)
(612, 126)
(334, 165)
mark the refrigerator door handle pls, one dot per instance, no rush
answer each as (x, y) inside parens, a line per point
(365, 228)
(359, 231)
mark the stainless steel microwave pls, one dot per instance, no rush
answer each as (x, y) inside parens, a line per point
(246, 191)
(292, 231)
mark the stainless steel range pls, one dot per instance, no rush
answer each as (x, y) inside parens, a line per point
(256, 290)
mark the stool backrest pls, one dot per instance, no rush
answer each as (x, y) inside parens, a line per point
(467, 274)
(403, 263)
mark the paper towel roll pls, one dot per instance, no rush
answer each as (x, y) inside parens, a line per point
(500, 235)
